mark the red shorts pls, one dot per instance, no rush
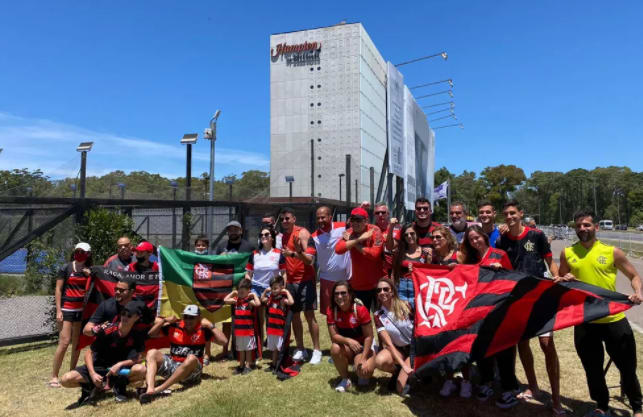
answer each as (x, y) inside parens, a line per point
(325, 294)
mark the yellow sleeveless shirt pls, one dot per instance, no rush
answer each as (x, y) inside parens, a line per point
(594, 266)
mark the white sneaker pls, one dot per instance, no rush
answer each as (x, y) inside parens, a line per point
(465, 389)
(343, 385)
(299, 355)
(316, 358)
(448, 388)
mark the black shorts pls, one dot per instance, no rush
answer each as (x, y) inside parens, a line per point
(304, 294)
(72, 316)
(84, 372)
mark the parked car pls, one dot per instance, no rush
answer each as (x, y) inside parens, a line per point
(640, 228)
(620, 227)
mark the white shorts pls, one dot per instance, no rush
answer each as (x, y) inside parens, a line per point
(548, 334)
(243, 343)
(274, 342)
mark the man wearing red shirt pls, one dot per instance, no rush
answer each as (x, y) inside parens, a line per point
(298, 249)
(143, 264)
(365, 245)
(383, 221)
(422, 225)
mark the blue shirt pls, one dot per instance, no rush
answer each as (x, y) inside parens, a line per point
(493, 236)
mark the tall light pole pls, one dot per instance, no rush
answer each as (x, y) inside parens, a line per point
(290, 179)
(83, 148)
(211, 134)
(122, 187)
(340, 186)
(174, 185)
(188, 139)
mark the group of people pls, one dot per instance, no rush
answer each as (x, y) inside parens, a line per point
(365, 276)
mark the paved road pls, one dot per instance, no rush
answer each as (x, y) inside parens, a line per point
(634, 314)
(621, 235)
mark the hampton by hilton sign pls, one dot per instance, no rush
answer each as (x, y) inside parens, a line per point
(301, 54)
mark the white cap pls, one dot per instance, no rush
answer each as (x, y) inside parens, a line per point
(83, 246)
(191, 310)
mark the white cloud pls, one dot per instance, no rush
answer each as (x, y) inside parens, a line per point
(51, 147)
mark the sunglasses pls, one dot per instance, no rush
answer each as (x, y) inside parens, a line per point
(341, 293)
(410, 234)
(379, 213)
(265, 235)
(437, 237)
(383, 289)
(121, 289)
(285, 219)
(422, 209)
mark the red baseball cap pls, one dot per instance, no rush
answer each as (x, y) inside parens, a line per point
(359, 212)
(144, 247)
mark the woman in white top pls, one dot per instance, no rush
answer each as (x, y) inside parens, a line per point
(264, 264)
(394, 323)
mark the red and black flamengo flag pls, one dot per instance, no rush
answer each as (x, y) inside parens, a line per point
(473, 312)
(147, 290)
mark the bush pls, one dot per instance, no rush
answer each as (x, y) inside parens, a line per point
(11, 285)
(101, 228)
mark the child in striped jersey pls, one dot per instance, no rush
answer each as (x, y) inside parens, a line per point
(277, 300)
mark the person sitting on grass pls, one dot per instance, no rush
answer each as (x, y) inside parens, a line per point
(184, 364)
(394, 324)
(116, 350)
(278, 300)
(245, 323)
(351, 332)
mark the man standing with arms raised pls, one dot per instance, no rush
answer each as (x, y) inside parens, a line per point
(333, 267)
(593, 262)
(365, 245)
(528, 250)
(298, 249)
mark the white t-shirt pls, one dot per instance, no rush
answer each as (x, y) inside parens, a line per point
(265, 265)
(332, 266)
(400, 331)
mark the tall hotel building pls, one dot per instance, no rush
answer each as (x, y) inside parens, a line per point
(328, 86)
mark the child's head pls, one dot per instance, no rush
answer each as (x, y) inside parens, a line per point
(244, 288)
(201, 245)
(277, 284)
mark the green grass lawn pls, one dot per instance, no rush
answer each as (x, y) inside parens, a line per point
(23, 378)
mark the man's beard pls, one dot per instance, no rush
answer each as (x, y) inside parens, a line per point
(586, 235)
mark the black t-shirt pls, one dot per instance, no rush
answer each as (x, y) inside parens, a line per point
(241, 247)
(106, 311)
(526, 252)
(110, 347)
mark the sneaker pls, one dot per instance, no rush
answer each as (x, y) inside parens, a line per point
(465, 389)
(484, 393)
(246, 371)
(238, 370)
(299, 355)
(120, 389)
(343, 385)
(448, 388)
(146, 398)
(507, 400)
(316, 358)
(362, 382)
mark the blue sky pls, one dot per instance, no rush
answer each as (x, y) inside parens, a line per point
(547, 86)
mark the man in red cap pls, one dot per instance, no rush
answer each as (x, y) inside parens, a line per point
(365, 245)
(143, 264)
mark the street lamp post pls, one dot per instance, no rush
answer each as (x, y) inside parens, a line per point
(83, 148)
(211, 134)
(290, 179)
(229, 181)
(340, 186)
(188, 139)
(122, 188)
(73, 188)
(174, 185)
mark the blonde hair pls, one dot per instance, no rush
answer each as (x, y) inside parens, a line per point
(399, 308)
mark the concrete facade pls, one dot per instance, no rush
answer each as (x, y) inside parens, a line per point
(327, 85)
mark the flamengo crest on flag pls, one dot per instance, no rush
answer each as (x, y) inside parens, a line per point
(472, 312)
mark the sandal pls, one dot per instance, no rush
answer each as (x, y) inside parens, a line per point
(54, 384)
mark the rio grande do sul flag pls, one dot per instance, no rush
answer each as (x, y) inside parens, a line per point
(473, 312)
(204, 280)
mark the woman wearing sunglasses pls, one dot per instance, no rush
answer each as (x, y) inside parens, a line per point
(264, 264)
(409, 252)
(351, 332)
(445, 248)
(72, 284)
(394, 324)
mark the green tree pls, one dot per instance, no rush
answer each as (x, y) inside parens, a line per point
(500, 181)
(101, 228)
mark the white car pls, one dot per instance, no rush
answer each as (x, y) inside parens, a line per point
(640, 228)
